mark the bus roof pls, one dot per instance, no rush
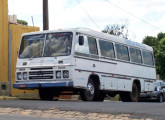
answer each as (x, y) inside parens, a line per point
(97, 34)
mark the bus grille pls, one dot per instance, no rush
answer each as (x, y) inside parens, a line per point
(41, 73)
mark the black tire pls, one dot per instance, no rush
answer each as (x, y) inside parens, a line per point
(134, 95)
(46, 94)
(124, 96)
(100, 97)
(161, 100)
(92, 93)
(131, 96)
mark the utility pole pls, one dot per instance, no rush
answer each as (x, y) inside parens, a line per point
(45, 15)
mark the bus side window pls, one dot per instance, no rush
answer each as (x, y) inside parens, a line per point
(107, 49)
(92, 46)
(148, 58)
(122, 52)
(135, 55)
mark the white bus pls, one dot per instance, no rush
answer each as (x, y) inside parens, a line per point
(86, 62)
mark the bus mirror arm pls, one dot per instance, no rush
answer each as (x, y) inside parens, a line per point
(81, 40)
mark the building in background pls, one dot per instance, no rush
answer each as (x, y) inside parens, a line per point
(12, 19)
(10, 36)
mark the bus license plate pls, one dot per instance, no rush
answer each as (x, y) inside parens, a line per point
(22, 85)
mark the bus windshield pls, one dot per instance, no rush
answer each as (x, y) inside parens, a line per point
(47, 45)
(58, 44)
(32, 46)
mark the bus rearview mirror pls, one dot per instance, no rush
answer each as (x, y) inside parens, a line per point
(81, 40)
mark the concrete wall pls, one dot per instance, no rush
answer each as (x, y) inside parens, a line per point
(3, 40)
(4, 84)
(16, 32)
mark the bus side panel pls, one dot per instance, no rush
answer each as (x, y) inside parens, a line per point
(110, 83)
(85, 67)
(124, 85)
(80, 79)
(149, 86)
(136, 72)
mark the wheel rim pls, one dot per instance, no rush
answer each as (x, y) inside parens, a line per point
(90, 88)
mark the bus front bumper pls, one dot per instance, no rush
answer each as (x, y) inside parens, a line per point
(37, 85)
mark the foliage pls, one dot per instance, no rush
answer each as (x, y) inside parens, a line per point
(149, 40)
(117, 30)
(158, 44)
(23, 22)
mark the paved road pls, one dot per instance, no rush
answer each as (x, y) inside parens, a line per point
(137, 110)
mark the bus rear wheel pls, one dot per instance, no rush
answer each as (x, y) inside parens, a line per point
(134, 95)
(130, 96)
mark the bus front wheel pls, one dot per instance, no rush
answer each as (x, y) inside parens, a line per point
(46, 94)
(92, 93)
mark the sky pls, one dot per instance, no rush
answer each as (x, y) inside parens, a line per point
(144, 17)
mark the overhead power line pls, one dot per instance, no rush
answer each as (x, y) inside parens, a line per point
(89, 15)
(133, 15)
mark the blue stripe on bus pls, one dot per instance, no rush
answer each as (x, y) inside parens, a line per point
(43, 85)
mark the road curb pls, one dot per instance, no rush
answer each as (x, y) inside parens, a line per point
(8, 98)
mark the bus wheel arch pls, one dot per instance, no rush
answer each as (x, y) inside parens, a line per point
(95, 79)
(138, 84)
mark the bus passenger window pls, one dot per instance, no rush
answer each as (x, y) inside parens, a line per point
(148, 58)
(135, 55)
(107, 49)
(92, 46)
(122, 52)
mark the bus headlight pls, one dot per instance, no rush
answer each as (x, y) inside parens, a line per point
(65, 74)
(25, 75)
(58, 74)
(19, 76)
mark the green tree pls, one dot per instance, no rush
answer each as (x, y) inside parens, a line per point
(23, 22)
(149, 40)
(158, 44)
(120, 30)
